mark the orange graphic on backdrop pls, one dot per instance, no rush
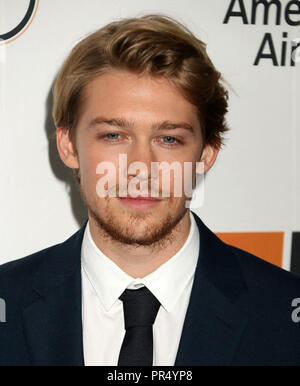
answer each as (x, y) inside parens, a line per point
(266, 245)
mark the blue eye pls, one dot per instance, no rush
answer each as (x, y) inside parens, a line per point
(171, 140)
(167, 139)
(112, 134)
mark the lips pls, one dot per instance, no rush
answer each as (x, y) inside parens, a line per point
(140, 198)
(140, 202)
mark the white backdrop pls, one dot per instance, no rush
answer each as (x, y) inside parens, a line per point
(254, 185)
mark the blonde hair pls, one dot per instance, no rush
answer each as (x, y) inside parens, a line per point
(153, 44)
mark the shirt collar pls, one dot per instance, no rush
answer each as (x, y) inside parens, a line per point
(166, 283)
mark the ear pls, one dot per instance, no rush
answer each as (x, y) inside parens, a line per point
(66, 148)
(209, 156)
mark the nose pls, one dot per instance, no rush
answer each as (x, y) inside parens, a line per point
(139, 160)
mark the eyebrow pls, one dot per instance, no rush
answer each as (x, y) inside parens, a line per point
(124, 123)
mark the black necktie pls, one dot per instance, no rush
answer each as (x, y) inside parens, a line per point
(140, 310)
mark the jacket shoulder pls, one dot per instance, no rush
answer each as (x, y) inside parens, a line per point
(261, 273)
(15, 275)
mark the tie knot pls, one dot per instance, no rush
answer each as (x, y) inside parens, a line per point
(140, 307)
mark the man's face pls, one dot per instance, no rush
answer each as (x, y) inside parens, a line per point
(139, 112)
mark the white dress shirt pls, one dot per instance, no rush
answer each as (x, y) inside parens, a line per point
(103, 282)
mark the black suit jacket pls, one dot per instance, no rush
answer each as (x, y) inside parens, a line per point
(239, 311)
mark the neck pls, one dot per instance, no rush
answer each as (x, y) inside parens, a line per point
(140, 261)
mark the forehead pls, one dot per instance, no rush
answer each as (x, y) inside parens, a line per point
(136, 97)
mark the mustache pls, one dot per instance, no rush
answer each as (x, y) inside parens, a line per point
(146, 188)
(116, 191)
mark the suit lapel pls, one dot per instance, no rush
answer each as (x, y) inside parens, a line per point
(52, 309)
(213, 323)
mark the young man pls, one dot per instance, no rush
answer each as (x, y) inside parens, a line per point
(144, 282)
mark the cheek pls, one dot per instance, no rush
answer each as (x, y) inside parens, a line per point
(96, 163)
(182, 181)
(88, 161)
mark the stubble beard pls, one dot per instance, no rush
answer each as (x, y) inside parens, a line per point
(156, 236)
